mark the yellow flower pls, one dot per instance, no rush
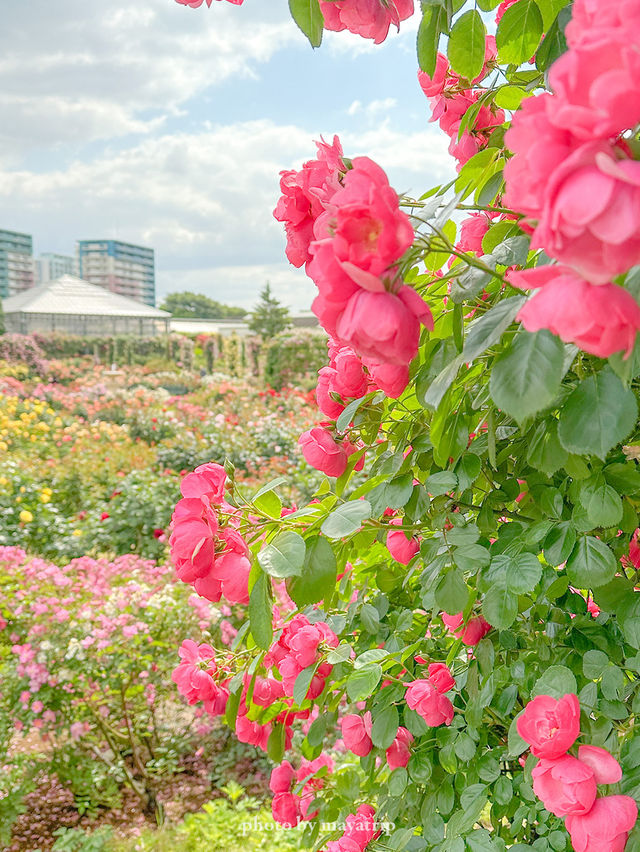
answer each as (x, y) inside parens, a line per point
(25, 516)
(76, 533)
(45, 498)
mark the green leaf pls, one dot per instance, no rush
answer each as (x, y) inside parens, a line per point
(556, 681)
(261, 612)
(559, 543)
(362, 682)
(554, 43)
(488, 191)
(452, 593)
(434, 22)
(385, 727)
(307, 15)
(346, 519)
(519, 32)
(546, 453)
(441, 483)
(302, 684)
(398, 492)
(527, 378)
(276, 743)
(510, 97)
(602, 502)
(591, 563)
(317, 580)
(283, 556)
(269, 504)
(347, 415)
(597, 415)
(467, 45)
(500, 607)
(487, 330)
(515, 743)
(523, 573)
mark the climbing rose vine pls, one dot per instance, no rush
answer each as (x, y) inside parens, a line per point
(442, 650)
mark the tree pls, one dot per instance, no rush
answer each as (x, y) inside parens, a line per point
(269, 317)
(199, 306)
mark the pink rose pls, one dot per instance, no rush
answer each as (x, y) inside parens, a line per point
(206, 480)
(472, 632)
(192, 539)
(402, 549)
(539, 149)
(356, 733)
(282, 777)
(285, 808)
(433, 86)
(472, 230)
(367, 18)
(399, 753)
(591, 214)
(605, 827)
(440, 676)
(565, 785)
(600, 319)
(550, 727)
(605, 767)
(304, 197)
(364, 223)
(390, 378)
(385, 326)
(423, 697)
(596, 86)
(322, 452)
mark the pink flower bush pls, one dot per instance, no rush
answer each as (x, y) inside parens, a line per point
(214, 558)
(356, 733)
(305, 194)
(475, 629)
(366, 18)
(300, 645)
(550, 727)
(600, 319)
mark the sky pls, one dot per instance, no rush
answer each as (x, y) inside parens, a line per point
(167, 126)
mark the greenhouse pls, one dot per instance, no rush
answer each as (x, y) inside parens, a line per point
(74, 306)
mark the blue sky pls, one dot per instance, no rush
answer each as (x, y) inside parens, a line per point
(155, 123)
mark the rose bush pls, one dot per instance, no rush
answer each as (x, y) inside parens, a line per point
(499, 437)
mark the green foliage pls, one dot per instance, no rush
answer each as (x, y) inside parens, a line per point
(199, 306)
(294, 358)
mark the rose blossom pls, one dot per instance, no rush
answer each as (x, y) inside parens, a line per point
(399, 753)
(367, 18)
(323, 452)
(304, 197)
(550, 727)
(591, 214)
(605, 827)
(402, 549)
(472, 632)
(565, 785)
(423, 697)
(356, 733)
(600, 319)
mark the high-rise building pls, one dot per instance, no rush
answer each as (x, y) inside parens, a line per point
(50, 267)
(16, 263)
(120, 267)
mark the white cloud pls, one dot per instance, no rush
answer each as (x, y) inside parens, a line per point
(72, 69)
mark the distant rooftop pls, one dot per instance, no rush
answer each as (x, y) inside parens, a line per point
(71, 295)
